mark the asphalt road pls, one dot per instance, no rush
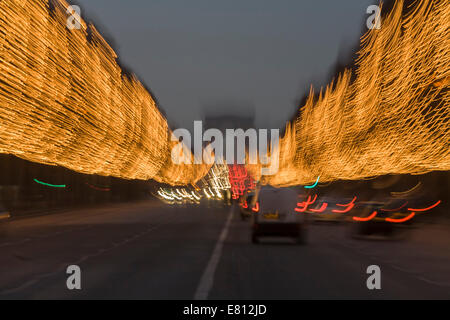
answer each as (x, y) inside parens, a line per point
(148, 250)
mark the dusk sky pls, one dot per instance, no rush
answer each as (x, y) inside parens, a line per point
(197, 54)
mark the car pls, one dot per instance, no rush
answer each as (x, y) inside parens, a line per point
(277, 217)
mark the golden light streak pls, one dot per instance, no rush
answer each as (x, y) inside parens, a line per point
(392, 118)
(65, 100)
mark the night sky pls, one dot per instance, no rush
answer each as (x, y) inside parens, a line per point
(200, 54)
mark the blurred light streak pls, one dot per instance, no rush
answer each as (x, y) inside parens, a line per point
(175, 196)
(196, 197)
(373, 215)
(50, 185)
(240, 180)
(305, 204)
(206, 194)
(426, 209)
(388, 115)
(396, 209)
(97, 188)
(409, 217)
(4, 215)
(405, 193)
(165, 196)
(349, 206)
(314, 185)
(66, 101)
(322, 208)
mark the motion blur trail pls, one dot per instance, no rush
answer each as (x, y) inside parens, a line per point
(392, 117)
(66, 101)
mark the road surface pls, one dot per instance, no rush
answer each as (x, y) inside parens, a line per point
(148, 250)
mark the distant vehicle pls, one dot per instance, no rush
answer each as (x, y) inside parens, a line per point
(277, 216)
(376, 228)
(247, 205)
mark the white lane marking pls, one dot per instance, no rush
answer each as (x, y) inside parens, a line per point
(207, 279)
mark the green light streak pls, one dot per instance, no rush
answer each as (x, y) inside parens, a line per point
(50, 185)
(315, 184)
